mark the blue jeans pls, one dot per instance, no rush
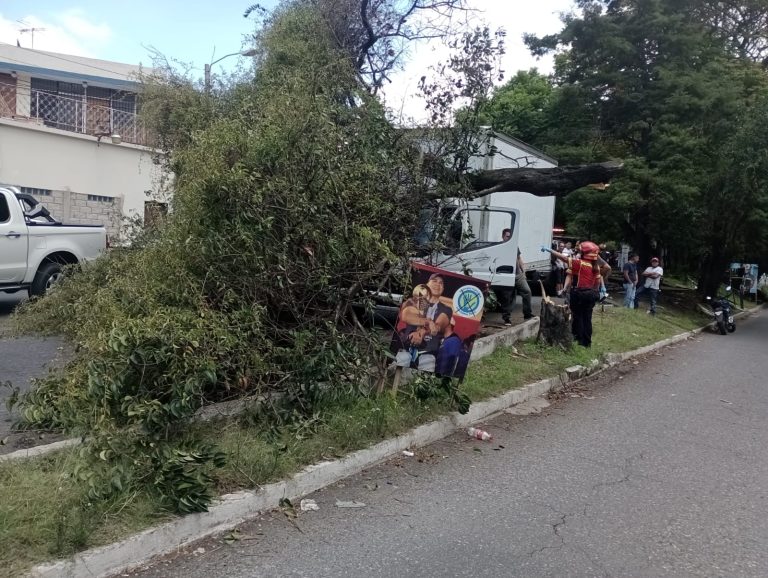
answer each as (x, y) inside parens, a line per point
(629, 295)
(653, 293)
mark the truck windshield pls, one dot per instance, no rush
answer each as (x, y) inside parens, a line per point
(482, 227)
(450, 230)
(434, 222)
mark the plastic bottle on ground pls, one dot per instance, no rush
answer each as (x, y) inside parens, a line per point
(477, 433)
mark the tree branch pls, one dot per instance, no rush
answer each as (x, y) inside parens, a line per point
(543, 182)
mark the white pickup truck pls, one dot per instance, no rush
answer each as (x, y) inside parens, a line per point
(34, 247)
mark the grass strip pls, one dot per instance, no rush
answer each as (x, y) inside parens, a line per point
(45, 514)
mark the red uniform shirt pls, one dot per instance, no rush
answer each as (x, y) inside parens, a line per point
(584, 273)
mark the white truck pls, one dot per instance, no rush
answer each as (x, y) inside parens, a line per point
(480, 248)
(472, 237)
(34, 247)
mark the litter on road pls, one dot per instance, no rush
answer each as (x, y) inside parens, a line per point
(309, 506)
(351, 504)
(479, 434)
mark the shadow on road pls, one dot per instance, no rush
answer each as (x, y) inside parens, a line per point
(22, 359)
(9, 301)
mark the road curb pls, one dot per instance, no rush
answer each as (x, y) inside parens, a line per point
(37, 451)
(233, 509)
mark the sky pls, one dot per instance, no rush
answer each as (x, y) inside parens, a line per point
(198, 32)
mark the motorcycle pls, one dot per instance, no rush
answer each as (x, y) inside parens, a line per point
(721, 309)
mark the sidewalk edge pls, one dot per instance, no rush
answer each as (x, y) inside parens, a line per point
(233, 509)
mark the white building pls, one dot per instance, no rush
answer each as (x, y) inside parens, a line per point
(70, 136)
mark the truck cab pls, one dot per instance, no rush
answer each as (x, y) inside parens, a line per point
(468, 240)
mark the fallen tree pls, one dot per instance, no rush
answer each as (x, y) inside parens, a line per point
(293, 189)
(543, 182)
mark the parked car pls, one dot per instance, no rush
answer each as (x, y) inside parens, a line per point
(35, 247)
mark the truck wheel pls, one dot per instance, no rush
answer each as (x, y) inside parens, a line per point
(46, 276)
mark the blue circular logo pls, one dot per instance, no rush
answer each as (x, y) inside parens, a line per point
(468, 301)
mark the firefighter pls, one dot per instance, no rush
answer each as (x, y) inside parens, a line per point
(584, 280)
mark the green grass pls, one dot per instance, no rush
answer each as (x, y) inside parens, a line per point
(44, 514)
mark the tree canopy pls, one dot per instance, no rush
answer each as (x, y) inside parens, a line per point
(661, 85)
(293, 195)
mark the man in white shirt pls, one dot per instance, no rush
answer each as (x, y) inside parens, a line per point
(652, 276)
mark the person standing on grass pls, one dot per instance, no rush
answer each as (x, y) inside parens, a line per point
(585, 277)
(584, 294)
(652, 275)
(630, 280)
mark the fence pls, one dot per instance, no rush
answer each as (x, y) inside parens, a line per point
(80, 114)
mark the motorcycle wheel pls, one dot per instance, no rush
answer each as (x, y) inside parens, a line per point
(731, 327)
(721, 326)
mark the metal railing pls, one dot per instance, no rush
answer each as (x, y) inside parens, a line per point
(80, 114)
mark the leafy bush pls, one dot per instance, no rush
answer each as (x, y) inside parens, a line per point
(292, 193)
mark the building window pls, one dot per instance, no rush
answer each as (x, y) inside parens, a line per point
(85, 109)
(7, 95)
(35, 192)
(59, 104)
(100, 199)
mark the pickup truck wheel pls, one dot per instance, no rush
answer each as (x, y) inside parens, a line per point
(46, 276)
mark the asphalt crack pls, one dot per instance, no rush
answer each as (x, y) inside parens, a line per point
(556, 527)
(627, 470)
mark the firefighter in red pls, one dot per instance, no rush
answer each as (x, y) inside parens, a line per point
(584, 277)
(585, 283)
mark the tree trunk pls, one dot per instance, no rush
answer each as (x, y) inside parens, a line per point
(543, 182)
(712, 272)
(554, 323)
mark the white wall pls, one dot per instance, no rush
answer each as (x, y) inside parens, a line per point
(37, 156)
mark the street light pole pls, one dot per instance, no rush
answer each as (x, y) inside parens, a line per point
(207, 68)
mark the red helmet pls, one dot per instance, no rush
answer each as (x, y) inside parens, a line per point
(589, 251)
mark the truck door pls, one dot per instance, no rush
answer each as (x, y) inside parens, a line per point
(474, 245)
(13, 241)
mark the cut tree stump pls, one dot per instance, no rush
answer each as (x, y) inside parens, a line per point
(554, 323)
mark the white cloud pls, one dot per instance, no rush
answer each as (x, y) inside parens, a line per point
(68, 32)
(515, 16)
(75, 22)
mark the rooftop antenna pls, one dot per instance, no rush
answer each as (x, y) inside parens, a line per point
(31, 29)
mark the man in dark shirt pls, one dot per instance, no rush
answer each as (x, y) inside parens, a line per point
(630, 280)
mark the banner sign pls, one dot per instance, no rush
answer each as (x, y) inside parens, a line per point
(439, 320)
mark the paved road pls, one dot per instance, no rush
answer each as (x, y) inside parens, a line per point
(20, 360)
(656, 469)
